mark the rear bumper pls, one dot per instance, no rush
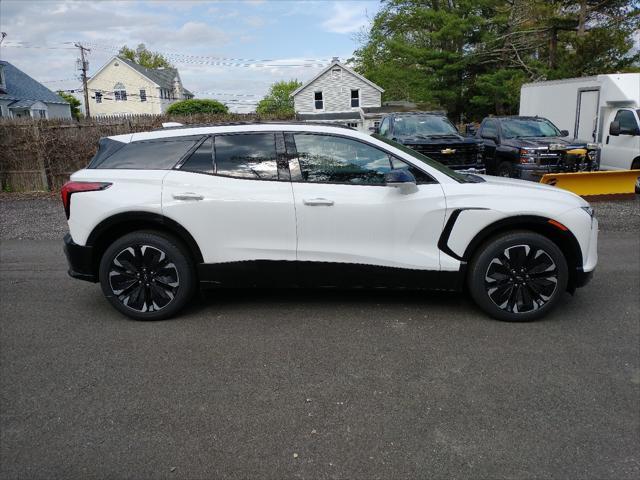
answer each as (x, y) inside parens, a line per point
(80, 260)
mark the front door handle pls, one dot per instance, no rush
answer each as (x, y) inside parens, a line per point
(188, 196)
(317, 202)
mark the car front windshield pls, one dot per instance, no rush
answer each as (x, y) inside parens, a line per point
(528, 127)
(459, 177)
(422, 125)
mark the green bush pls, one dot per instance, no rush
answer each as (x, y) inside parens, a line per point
(195, 106)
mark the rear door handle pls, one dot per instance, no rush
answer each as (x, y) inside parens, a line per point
(188, 196)
(318, 202)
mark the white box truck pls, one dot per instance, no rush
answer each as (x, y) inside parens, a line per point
(603, 109)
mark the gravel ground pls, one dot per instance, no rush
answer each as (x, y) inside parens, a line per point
(40, 216)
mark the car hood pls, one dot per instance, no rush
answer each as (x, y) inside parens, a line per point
(511, 187)
(531, 142)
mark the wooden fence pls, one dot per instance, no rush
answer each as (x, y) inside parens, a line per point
(39, 155)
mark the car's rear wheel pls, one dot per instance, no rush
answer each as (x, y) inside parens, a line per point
(518, 276)
(147, 275)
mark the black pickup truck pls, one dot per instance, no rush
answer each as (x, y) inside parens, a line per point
(529, 147)
(433, 135)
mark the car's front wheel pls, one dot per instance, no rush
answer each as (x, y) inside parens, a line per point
(147, 275)
(518, 276)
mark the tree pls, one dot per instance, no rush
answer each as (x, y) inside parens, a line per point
(195, 106)
(279, 101)
(470, 57)
(144, 57)
(74, 103)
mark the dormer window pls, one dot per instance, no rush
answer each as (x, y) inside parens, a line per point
(318, 101)
(119, 92)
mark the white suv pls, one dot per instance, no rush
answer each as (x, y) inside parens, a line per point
(157, 214)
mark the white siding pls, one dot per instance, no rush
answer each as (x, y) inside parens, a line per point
(336, 93)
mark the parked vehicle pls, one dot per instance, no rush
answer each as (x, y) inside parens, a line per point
(433, 135)
(529, 147)
(155, 214)
(603, 109)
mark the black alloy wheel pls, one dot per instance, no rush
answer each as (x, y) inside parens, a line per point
(518, 276)
(520, 279)
(144, 278)
(147, 275)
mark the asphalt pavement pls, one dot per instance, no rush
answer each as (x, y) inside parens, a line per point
(316, 384)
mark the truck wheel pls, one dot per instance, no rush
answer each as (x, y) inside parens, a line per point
(518, 276)
(147, 275)
(636, 166)
(505, 169)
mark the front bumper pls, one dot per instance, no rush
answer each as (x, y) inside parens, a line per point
(80, 260)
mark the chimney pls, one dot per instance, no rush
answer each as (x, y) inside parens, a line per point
(335, 60)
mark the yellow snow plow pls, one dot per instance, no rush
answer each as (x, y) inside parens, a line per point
(609, 182)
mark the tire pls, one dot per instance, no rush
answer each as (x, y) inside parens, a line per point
(530, 269)
(505, 169)
(636, 166)
(129, 262)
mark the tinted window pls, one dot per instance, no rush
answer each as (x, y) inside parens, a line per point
(202, 159)
(627, 121)
(154, 155)
(419, 175)
(423, 125)
(384, 126)
(251, 155)
(528, 127)
(325, 158)
(489, 129)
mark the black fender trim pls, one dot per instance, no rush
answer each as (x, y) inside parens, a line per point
(443, 241)
(131, 221)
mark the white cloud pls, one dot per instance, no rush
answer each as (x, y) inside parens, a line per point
(346, 18)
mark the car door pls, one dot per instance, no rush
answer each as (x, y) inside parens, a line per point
(234, 200)
(347, 216)
(490, 134)
(620, 150)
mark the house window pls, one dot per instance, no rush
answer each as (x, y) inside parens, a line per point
(98, 97)
(335, 73)
(318, 101)
(120, 93)
(355, 98)
(143, 95)
(352, 124)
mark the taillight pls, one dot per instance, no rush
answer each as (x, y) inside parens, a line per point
(75, 187)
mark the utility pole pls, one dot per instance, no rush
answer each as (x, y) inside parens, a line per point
(84, 66)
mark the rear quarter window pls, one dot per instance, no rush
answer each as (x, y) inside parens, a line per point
(147, 155)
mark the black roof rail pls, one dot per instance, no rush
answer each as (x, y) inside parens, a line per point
(278, 122)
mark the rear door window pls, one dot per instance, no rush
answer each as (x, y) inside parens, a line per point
(248, 155)
(200, 161)
(148, 155)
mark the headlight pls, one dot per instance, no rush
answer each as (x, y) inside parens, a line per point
(592, 146)
(528, 155)
(589, 210)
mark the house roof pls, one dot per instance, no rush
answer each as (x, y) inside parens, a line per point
(163, 77)
(333, 64)
(330, 116)
(20, 86)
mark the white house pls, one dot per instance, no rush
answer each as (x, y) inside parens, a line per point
(122, 87)
(337, 94)
(21, 96)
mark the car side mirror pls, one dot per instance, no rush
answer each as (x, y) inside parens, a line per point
(470, 129)
(402, 179)
(614, 128)
(564, 133)
(494, 138)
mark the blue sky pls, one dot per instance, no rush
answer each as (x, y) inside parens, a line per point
(40, 35)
